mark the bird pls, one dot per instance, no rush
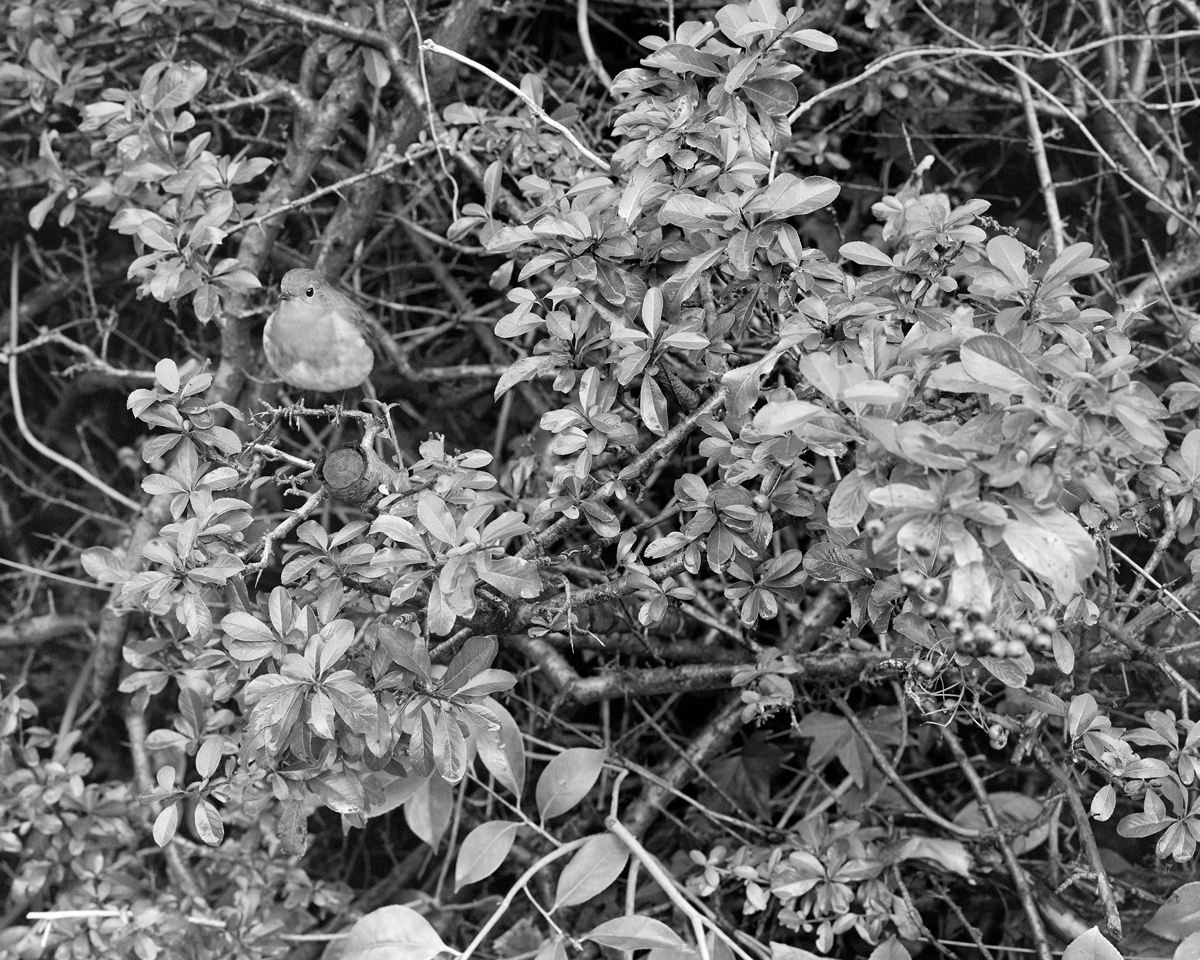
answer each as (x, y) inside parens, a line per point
(318, 339)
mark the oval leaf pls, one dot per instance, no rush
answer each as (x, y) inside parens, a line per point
(567, 779)
(636, 933)
(483, 850)
(503, 751)
(591, 871)
(1179, 917)
(1091, 945)
(389, 933)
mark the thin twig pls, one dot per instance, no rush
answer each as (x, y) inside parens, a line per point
(898, 781)
(1112, 915)
(1156, 657)
(308, 198)
(585, 40)
(538, 112)
(1045, 179)
(666, 882)
(515, 889)
(1020, 877)
(14, 387)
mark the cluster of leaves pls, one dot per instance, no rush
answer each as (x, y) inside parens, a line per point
(1155, 781)
(942, 425)
(323, 709)
(79, 846)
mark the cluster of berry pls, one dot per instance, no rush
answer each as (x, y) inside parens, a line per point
(973, 635)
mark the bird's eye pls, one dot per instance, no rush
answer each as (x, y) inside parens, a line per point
(309, 292)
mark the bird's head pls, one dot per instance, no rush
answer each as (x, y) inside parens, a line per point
(305, 286)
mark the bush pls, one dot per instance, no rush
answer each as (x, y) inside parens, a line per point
(771, 512)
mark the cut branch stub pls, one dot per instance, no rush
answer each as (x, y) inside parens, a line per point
(358, 475)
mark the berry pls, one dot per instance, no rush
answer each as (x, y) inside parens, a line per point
(933, 589)
(1024, 631)
(762, 503)
(976, 612)
(930, 395)
(945, 553)
(966, 646)
(998, 649)
(997, 736)
(1043, 642)
(1016, 648)
(984, 634)
(1046, 623)
(928, 610)
(946, 613)
(926, 669)
(874, 528)
(911, 579)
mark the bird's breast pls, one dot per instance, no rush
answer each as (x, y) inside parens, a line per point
(328, 353)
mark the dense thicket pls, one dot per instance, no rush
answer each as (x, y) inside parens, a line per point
(772, 536)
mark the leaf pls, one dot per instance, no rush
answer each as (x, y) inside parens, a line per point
(1013, 809)
(1008, 256)
(512, 576)
(784, 951)
(104, 565)
(1091, 945)
(776, 97)
(693, 213)
(950, 855)
(393, 932)
(849, 501)
(475, 656)
(815, 40)
(593, 869)
(863, 253)
(483, 851)
(165, 825)
(1189, 948)
(635, 933)
(890, 949)
(503, 751)
(833, 737)
(207, 822)
(567, 779)
(791, 196)
(828, 561)
(780, 416)
(428, 810)
(994, 361)
(1045, 554)
(684, 59)
(1179, 917)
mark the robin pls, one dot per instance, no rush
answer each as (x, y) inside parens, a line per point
(318, 338)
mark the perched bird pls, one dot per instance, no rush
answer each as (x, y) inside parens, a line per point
(318, 338)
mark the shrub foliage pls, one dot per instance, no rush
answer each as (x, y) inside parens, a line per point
(809, 529)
